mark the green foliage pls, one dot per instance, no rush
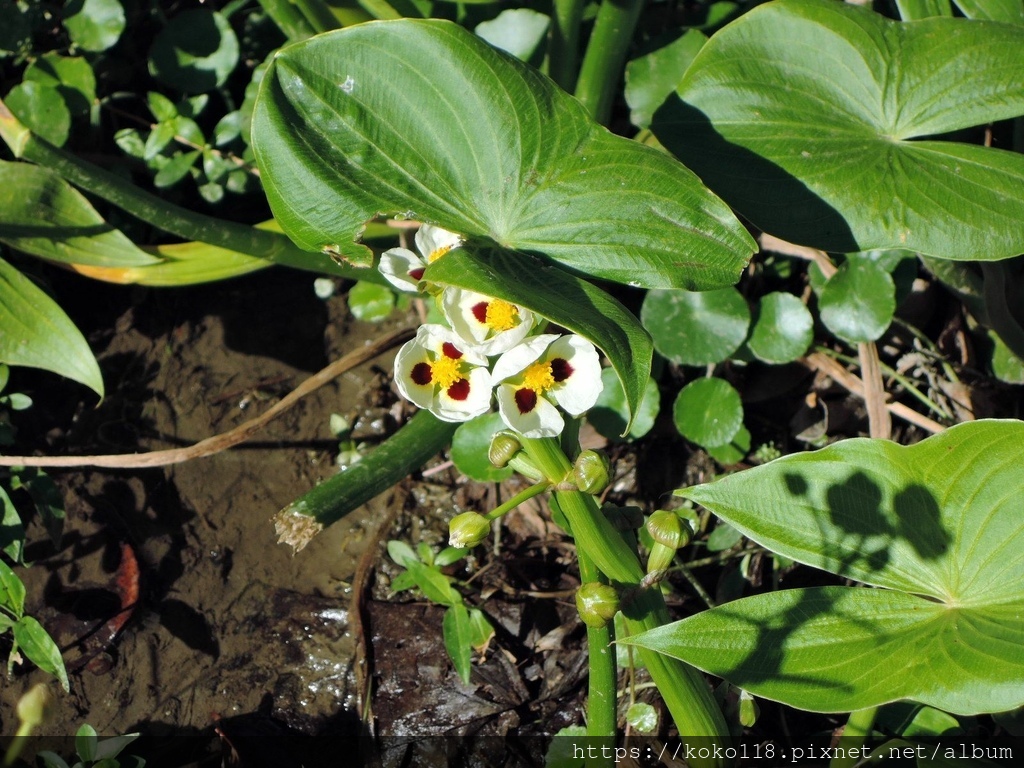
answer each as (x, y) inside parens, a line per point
(93, 753)
(935, 525)
(195, 52)
(94, 25)
(536, 176)
(38, 334)
(465, 629)
(470, 445)
(858, 302)
(846, 155)
(692, 328)
(709, 412)
(783, 328)
(370, 302)
(611, 415)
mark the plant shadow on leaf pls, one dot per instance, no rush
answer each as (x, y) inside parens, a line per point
(747, 181)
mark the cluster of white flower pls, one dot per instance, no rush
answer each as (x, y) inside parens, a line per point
(447, 369)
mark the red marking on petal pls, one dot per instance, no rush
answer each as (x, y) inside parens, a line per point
(417, 274)
(449, 350)
(560, 369)
(480, 312)
(420, 374)
(459, 390)
(526, 400)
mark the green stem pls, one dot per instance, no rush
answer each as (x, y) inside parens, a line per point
(288, 19)
(564, 57)
(856, 734)
(519, 498)
(687, 695)
(606, 54)
(601, 701)
(400, 455)
(318, 14)
(261, 243)
(380, 9)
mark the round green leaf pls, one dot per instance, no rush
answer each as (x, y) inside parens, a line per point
(72, 76)
(834, 126)
(652, 77)
(734, 451)
(696, 328)
(41, 108)
(936, 525)
(1006, 366)
(783, 329)
(35, 332)
(610, 414)
(858, 301)
(642, 717)
(424, 120)
(370, 302)
(195, 52)
(470, 445)
(94, 25)
(708, 412)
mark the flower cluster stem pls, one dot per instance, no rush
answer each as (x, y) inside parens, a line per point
(605, 56)
(856, 734)
(519, 498)
(601, 685)
(687, 695)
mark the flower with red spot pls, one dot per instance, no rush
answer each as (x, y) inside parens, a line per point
(490, 326)
(404, 269)
(542, 372)
(437, 371)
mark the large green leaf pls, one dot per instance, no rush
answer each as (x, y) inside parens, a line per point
(939, 524)
(555, 294)
(42, 214)
(424, 120)
(804, 115)
(35, 332)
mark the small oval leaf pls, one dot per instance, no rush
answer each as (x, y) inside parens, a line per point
(696, 328)
(708, 412)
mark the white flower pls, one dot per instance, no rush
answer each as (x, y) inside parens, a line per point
(438, 372)
(404, 269)
(542, 372)
(491, 326)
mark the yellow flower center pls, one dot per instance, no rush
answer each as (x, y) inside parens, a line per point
(445, 371)
(501, 316)
(437, 253)
(538, 377)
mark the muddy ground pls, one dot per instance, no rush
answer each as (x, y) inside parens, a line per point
(238, 649)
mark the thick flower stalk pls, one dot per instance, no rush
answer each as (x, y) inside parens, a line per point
(492, 326)
(438, 372)
(541, 373)
(404, 268)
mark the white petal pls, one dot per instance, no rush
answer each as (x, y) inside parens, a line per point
(396, 264)
(434, 337)
(478, 402)
(543, 421)
(409, 356)
(457, 306)
(580, 390)
(431, 240)
(520, 357)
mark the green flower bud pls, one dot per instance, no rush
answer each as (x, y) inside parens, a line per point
(504, 445)
(35, 706)
(467, 530)
(749, 711)
(591, 472)
(666, 527)
(597, 603)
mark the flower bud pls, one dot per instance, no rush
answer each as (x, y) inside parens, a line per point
(467, 530)
(35, 706)
(597, 603)
(666, 527)
(591, 472)
(504, 445)
(749, 711)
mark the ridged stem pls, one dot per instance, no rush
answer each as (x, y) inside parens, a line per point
(605, 56)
